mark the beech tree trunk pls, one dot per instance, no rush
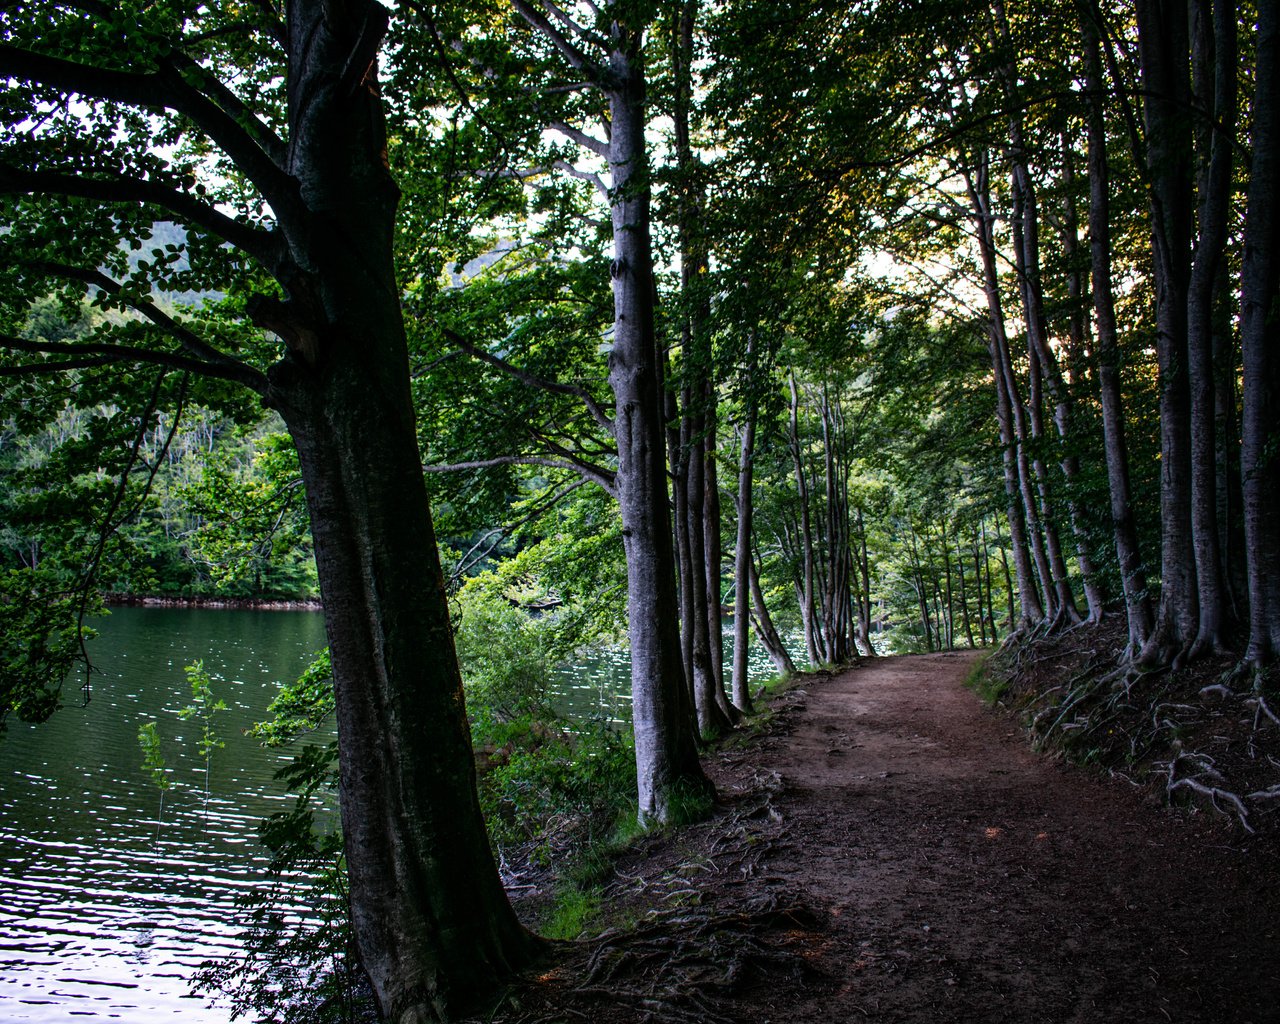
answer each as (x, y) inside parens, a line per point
(1214, 66)
(807, 610)
(701, 587)
(1164, 51)
(430, 918)
(1124, 530)
(765, 629)
(1023, 520)
(742, 560)
(1043, 364)
(666, 751)
(1260, 293)
(864, 602)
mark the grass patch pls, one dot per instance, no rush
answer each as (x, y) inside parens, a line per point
(574, 911)
(989, 686)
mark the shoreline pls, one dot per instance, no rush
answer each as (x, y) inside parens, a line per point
(211, 603)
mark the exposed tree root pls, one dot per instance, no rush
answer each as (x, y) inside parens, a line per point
(1215, 793)
(1084, 697)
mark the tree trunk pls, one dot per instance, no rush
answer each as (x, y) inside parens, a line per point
(677, 427)
(1024, 523)
(964, 598)
(742, 560)
(765, 629)
(1163, 47)
(1008, 585)
(702, 626)
(666, 752)
(807, 611)
(1025, 226)
(1226, 408)
(1260, 292)
(864, 603)
(713, 545)
(708, 697)
(1214, 64)
(1124, 530)
(977, 572)
(429, 916)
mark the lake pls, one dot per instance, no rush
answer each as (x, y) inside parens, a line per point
(107, 905)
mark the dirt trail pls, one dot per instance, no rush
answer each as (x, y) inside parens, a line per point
(977, 881)
(948, 873)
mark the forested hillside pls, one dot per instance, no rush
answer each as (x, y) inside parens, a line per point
(841, 329)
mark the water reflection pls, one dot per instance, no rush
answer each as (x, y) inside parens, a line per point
(108, 905)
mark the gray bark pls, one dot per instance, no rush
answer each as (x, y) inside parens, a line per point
(1214, 64)
(666, 753)
(430, 919)
(742, 560)
(1164, 51)
(1260, 292)
(1124, 530)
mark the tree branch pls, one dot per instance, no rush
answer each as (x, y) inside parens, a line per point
(188, 339)
(583, 33)
(593, 407)
(261, 132)
(101, 354)
(595, 73)
(494, 537)
(597, 146)
(588, 176)
(259, 244)
(166, 89)
(594, 474)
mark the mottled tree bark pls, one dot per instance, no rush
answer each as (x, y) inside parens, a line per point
(666, 753)
(1164, 51)
(1124, 530)
(1214, 67)
(430, 919)
(1260, 294)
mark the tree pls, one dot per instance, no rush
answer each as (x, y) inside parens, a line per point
(1261, 286)
(609, 58)
(276, 166)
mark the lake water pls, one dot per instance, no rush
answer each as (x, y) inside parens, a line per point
(107, 905)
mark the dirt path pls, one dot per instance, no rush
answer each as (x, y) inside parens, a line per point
(980, 882)
(944, 873)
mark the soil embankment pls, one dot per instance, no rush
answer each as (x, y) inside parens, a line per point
(893, 851)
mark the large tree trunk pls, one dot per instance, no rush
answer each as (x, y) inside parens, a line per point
(430, 919)
(1214, 64)
(666, 751)
(1124, 530)
(1260, 293)
(1164, 49)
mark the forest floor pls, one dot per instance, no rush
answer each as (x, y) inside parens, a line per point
(890, 849)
